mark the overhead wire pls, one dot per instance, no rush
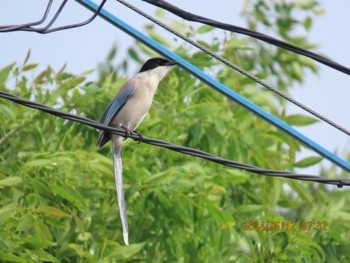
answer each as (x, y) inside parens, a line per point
(271, 40)
(216, 85)
(237, 68)
(10, 28)
(188, 16)
(97, 9)
(47, 29)
(339, 182)
(77, 24)
(183, 14)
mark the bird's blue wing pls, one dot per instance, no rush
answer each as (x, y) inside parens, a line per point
(112, 109)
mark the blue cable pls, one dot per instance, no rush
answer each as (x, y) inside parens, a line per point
(217, 85)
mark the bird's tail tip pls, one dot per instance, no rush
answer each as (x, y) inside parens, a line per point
(126, 238)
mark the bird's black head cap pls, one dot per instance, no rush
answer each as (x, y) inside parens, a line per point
(156, 62)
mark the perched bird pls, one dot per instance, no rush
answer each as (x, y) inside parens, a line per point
(127, 110)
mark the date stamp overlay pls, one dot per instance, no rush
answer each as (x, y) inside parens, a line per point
(284, 226)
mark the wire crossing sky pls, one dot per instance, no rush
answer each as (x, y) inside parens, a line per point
(196, 18)
(213, 83)
(181, 149)
(240, 70)
(192, 17)
(236, 97)
(48, 28)
(179, 12)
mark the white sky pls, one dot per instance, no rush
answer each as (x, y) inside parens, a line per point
(85, 47)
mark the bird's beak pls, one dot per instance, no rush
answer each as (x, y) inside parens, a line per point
(172, 63)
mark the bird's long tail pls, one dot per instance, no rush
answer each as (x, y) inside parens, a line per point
(118, 177)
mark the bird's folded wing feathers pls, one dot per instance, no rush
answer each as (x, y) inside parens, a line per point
(112, 109)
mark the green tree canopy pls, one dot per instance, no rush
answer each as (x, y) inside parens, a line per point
(57, 196)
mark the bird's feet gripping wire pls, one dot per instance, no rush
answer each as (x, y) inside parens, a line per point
(141, 137)
(128, 133)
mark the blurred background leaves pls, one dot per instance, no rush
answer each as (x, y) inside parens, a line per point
(57, 196)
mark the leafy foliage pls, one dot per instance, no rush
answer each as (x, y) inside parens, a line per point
(57, 199)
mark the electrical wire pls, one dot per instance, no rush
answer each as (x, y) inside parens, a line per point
(47, 29)
(271, 40)
(235, 67)
(181, 149)
(10, 28)
(188, 16)
(216, 85)
(185, 15)
(97, 9)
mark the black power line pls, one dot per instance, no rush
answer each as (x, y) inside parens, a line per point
(181, 149)
(192, 17)
(271, 40)
(10, 28)
(47, 29)
(238, 69)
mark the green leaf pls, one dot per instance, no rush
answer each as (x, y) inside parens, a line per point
(42, 231)
(36, 243)
(160, 177)
(41, 187)
(40, 79)
(204, 44)
(308, 161)
(69, 194)
(72, 83)
(89, 71)
(205, 29)
(298, 73)
(311, 4)
(300, 120)
(248, 209)
(25, 223)
(5, 72)
(10, 181)
(29, 67)
(61, 74)
(237, 43)
(340, 215)
(53, 212)
(8, 112)
(101, 165)
(157, 37)
(27, 57)
(133, 54)
(112, 53)
(308, 23)
(43, 256)
(236, 177)
(196, 132)
(224, 218)
(301, 190)
(39, 163)
(7, 212)
(126, 251)
(160, 13)
(7, 257)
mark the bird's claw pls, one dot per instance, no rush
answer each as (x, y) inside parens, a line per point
(141, 137)
(127, 132)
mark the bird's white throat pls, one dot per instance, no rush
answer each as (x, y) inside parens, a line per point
(160, 72)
